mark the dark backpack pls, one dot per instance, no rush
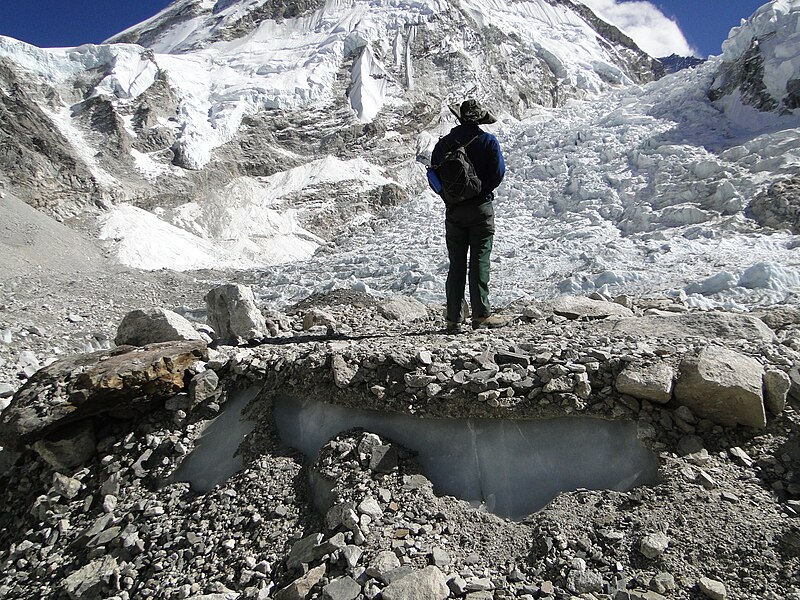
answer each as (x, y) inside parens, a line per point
(457, 175)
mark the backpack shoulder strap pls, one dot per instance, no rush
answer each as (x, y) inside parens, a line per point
(457, 145)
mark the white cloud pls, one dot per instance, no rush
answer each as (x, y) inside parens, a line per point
(652, 30)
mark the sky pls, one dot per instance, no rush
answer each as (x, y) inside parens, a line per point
(660, 27)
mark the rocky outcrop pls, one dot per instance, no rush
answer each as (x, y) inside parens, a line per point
(779, 206)
(108, 382)
(153, 325)
(723, 386)
(40, 164)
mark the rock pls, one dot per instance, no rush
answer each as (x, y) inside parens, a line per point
(440, 558)
(776, 390)
(66, 487)
(689, 444)
(427, 584)
(579, 307)
(370, 506)
(352, 554)
(647, 382)
(712, 588)
(584, 582)
(233, 314)
(403, 308)
(28, 364)
(723, 386)
(300, 588)
(342, 372)
(341, 588)
(79, 387)
(638, 595)
(202, 387)
(6, 390)
(779, 317)
(305, 551)
(705, 325)
(794, 377)
(662, 583)
(654, 545)
(90, 581)
(384, 459)
(70, 446)
(382, 563)
(150, 326)
(741, 456)
(317, 316)
(779, 206)
(512, 358)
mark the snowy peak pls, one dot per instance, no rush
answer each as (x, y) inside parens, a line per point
(761, 61)
(187, 25)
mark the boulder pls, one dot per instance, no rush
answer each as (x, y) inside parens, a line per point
(426, 584)
(718, 326)
(202, 387)
(109, 381)
(776, 390)
(233, 313)
(647, 382)
(580, 307)
(723, 386)
(403, 308)
(153, 325)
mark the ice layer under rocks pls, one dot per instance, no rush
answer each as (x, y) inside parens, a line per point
(510, 468)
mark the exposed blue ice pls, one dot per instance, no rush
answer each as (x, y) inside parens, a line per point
(511, 467)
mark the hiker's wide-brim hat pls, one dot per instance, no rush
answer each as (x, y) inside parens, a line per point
(471, 111)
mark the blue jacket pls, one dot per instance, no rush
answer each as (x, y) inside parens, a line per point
(484, 152)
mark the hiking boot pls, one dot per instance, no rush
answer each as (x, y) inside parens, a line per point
(453, 327)
(489, 322)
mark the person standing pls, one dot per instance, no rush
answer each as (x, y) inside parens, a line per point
(469, 223)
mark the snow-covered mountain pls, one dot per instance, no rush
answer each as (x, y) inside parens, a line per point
(251, 133)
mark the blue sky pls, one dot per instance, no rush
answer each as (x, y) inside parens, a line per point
(704, 24)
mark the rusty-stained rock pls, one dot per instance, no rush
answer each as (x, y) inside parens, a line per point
(78, 387)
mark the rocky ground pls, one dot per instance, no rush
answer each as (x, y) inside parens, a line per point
(722, 522)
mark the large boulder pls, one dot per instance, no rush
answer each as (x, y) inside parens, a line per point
(647, 382)
(233, 313)
(715, 325)
(110, 381)
(403, 308)
(580, 307)
(723, 386)
(153, 325)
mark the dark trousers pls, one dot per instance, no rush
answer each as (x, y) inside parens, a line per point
(469, 231)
